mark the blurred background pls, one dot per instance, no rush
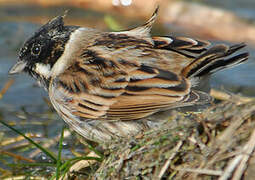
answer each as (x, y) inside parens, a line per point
(27, 107)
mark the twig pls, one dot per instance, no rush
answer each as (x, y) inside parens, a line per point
(230, 97)
(81, 164)
(202, 171)
(242, 116)
(23, 177)
(168, 162)
(239, 162)
(231, 167)
(7, 85)
(249, 148)
(18, 157)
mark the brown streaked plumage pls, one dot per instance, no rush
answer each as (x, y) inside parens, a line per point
(102, 83)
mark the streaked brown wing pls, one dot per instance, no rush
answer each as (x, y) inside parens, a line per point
(128, 108)
(183, 45)
(95, 87)
(145, 95)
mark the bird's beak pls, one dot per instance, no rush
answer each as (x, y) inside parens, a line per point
(18, 67)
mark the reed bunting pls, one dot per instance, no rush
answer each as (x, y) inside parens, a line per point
(103, 83)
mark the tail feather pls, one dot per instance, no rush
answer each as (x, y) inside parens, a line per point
(224, 63)
(204, 60)
(214, 59)
(235, 48)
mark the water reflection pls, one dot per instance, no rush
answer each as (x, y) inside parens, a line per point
(121, 2)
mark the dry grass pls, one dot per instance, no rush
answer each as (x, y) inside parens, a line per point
(215, 144)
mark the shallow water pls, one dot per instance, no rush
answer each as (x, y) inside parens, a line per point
(24, 102)
(244, 8)
(239, 79)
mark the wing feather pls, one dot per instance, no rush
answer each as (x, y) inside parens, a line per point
(183, 45)
(131, 95)
(119, 78)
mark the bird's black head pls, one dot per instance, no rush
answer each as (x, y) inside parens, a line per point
(40, 52)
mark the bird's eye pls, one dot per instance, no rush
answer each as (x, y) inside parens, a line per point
(36, 49)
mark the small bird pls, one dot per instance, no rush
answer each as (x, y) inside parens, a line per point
(103, 83)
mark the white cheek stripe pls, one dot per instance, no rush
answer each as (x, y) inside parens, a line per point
(43, 70)
(71, 46)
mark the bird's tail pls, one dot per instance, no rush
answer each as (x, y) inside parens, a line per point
(204, 59)
(215, 58)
